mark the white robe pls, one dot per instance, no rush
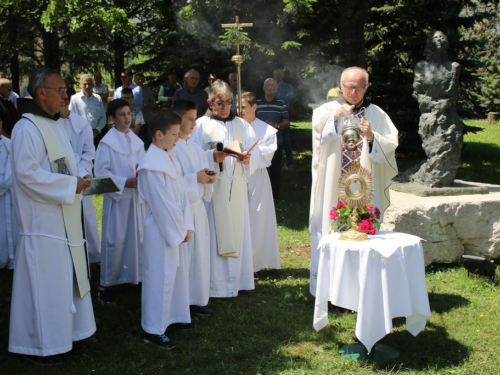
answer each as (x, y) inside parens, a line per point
(266, 250)
(165, 286)
(47, 314)
(82, 140)
(229, 275)
(123, 212)
(326, 170)
(8, 221)
(192, 159)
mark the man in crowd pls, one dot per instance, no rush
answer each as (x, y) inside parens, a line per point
(330, 157)
(233, 83)
(168, 89)
(230, 235)
(149, 98)
(13, 95)
(89, 106)
(273, 112)
(285, 93)
(137, 116)
(101, 89)
(126, 77)
(211, 79)
(8, 111)
(193, 93)
(51, 305)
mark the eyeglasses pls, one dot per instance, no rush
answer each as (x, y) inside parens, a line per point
(355, 88)
(222, 104)
(60, 90)
(124, 77)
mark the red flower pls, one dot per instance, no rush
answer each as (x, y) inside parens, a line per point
(370, 208)
(377, 212)
(365, 225)
(372, 231)
(340, 205)
(334, 214)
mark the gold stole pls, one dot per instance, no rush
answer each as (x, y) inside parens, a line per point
(72, 214)
(228, 205)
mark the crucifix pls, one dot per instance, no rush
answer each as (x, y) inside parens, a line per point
(238, 59)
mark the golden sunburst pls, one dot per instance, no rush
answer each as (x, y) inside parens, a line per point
(356, 186)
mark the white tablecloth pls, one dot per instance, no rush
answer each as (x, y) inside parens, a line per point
(381, 279)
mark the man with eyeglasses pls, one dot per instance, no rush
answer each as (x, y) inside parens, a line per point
(51, 305)
(8, 111)
(126, 77)
(231, 268)
(379, 139)
(193, 93)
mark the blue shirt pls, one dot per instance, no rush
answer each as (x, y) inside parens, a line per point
(274, 111)
(138, 96)
(91, 109)
(285, 93)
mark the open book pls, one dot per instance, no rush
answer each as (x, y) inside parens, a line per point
(101, 185)
(233, 149)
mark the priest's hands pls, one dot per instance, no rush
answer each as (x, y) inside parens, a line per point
(204, 178)
(344, 110)
(366, 129)
(187, 237)
(81, 184)
(246, 160)
(131, 182)
(219, 156)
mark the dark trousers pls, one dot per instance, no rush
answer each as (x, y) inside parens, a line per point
(287, 142)
(275, 171)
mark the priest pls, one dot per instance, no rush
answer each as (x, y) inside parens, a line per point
(51, 306)
(231, 267)
(379, 139)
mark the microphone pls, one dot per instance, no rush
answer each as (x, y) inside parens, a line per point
(220, 148)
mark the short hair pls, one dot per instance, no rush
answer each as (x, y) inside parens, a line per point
(219, 88)
(127, 90)
(38, 78)
(192, 71)
(249, 97)
(230, 74)
(86, 76)
(115, 105)
(182, 106)
(128, 72)
(270, 79)
(162, 120)
(346, 70)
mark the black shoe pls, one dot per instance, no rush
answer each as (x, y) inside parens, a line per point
(247, 292)
(105, 296)
(161, 341)
(47, 361)
(200, 310)
(187, 326)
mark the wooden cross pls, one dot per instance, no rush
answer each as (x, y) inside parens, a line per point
(237, 25)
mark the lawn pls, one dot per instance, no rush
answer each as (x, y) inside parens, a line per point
(270, 331)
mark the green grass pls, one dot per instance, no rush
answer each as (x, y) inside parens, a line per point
(270, 331)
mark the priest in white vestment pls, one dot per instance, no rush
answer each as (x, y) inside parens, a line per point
(51, 305)
(8, 220)
(266, 251)
(380, 139)
(229, 221)
(81, 136)
(199, 187)
(168, 226)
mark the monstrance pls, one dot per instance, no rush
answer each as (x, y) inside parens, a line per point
(356, 187)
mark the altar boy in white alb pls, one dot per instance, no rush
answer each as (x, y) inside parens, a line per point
(81, 136)
(123, 212)
(266, 251)
(51, 305)
(8, 221)
(168, 226)
(199, 188)
(229, 221)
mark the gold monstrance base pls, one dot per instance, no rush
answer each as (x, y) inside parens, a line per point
(354, 234)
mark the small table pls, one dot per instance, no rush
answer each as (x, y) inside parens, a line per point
(381, 279)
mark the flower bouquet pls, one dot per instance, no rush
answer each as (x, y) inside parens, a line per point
(368, 218)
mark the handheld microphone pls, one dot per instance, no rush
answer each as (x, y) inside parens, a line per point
(220, 147)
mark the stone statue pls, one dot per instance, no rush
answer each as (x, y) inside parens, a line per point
(441, 129)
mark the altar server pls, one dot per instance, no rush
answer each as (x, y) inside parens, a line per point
(266, 251)
(51, 305)
(231, 265)
(168, 226)
(82, 140)
(123, 212)
(199, 187)
(8, 221)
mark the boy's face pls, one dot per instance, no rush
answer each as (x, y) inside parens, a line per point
(128, 97)
(122, 119)
(188, 122)
(168, 140)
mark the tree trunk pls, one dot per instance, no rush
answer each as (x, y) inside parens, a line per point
(119, 59)
(351, 27)
(51, 56)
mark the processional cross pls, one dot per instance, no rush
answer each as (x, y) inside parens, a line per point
(238, 59)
